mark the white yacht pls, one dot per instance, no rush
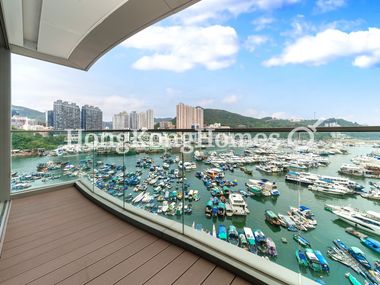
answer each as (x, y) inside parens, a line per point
(238, 204)
(368, 220)
(328, 188)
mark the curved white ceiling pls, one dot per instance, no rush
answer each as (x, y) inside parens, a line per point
(77, 32)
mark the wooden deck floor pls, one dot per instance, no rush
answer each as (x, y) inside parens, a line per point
(61, 237)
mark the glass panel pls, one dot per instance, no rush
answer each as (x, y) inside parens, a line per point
(41, 159)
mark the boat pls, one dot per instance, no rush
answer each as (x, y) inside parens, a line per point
(373, 194)
(221, 209)
(261, 240)
(365, 220)
(352, 279)
(288, 223)
(313, 261)
(243, 243)
(233, 236)
(322, 260)
(302, 241)
(327, 188)
(355, 233)
(272, 250)
(262, 187)
(272, 218)
(222, 232)
(371, 243)
(250, 238)
(238, 204)
(301, 258)
(359, 256)
(208, 209)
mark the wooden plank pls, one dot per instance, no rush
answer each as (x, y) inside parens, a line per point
(46, 239)
(152, 267)
(21, 263)
(219, 276)
(48, 267)
(174, 270)
(197, 273)
(167, 274)
(50, 231)
(113, 261)
(61, 272)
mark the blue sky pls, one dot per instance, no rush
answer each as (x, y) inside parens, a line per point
(280, 58)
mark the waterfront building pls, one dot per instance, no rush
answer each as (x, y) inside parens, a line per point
(134, 121)
(91, 118)
(189, 117)
(149, 119)
(120, 121)
(66, 115)
(166, 125)
(50, 118)
(141, 122)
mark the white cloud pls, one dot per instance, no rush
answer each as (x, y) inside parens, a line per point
(363, 46)
(231, 99)
(329, 5)
(181, 48)
(262, 23)
(208, 10)
(253, 41)
(37, 84)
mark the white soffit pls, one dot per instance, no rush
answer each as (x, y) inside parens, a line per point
(77, 32)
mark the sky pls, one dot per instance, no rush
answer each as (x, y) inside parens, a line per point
(294, 59)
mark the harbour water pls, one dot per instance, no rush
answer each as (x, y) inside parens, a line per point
(328, 229)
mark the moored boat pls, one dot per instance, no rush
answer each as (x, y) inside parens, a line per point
(359, 256)
(302, 241)
(301, 258)
(272, 218)
(314, 263)
(233, 236)
(222, 232)
(322, 260)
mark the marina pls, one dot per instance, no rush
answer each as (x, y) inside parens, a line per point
(219, 199)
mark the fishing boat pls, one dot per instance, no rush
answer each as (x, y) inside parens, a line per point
(352, 279)
(313, 261)
(233, 236)
(261, 241)
(301, 258)
(250, 238)
(322, 260)
(371, 243)
(243, 243)
(272, 250)
(302, 241)
(288, 223)
(359, 256)
(262, 187)
(221, 209)
(368, 220)
(208, 209)
(222, 232)
(272, 218)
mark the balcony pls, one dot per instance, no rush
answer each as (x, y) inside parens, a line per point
(171, 169)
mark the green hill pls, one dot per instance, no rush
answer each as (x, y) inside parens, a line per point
(239, 121)
(30, 113)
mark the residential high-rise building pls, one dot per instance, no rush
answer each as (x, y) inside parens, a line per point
(50, 118)
(189, 117)
(91, 118)
(141, 122)
(149, 119)
(134, 121)
(66, 115)
(120, 121)
(166, 125)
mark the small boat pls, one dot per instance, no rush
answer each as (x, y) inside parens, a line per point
(261, 241)
(352, 279)
(272, 218)
(243, 243)
(222, 232)
(359, 256)
(371, 243)
(314, 263)
(272, 250)
(301, 258)
(284, 240)
(250, 238)
(233, 236)
(322, 261)
(302, 241)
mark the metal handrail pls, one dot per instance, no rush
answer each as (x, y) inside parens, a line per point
(360, 129)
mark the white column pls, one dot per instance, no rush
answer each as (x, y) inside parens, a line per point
(5, 124)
